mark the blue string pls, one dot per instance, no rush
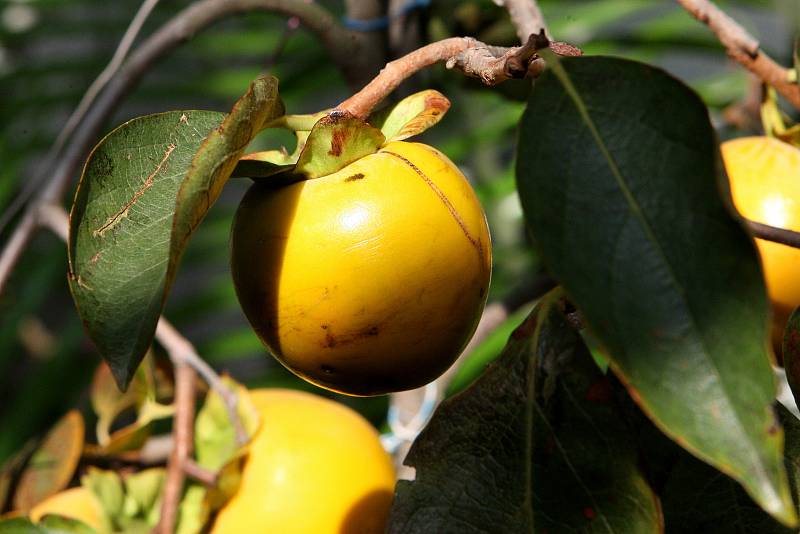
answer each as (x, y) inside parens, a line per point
(380, 23)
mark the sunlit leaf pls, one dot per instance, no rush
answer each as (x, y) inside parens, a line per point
(411, 116)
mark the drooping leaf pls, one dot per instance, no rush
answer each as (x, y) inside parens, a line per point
(698, 498)
(411, 116)
(214, 162)
(618, 171)
(336, 140)
(20, 525)
(53, 464)
(535, 443)
(145, 188)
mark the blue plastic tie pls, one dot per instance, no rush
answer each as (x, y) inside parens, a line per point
(381, 23)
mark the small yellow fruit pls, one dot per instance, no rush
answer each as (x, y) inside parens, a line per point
(75, 503)
(764, 176)
(314, 467)
(369, 280)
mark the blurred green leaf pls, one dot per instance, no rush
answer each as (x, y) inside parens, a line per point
(618, 174)
(52, 466)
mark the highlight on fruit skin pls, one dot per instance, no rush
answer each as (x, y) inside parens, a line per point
(764, 176)
(314, 467)
(369, 280)
(75, 503)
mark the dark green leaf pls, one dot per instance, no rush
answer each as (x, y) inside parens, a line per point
(618, 171)
(698, 498)
(791, 353)
(57, 524)
(336, 141)
(145, 188)
(536, 441)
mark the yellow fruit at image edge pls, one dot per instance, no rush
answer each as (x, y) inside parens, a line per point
(75, 503)
(764, 175)
(314, 467)
(369, 280)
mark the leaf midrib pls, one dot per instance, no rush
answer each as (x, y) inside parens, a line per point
(638, 214)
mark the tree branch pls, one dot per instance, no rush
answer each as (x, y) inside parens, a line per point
(744, 48)
(776, 235)
(183, 425)
(491, 64)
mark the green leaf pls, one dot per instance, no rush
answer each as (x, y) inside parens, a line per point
(698, 498)
(618, 172)
(791, 353)
(536, 441)
(20, 525)
(411, 116)
(216, 159)
(215, 436)
(56, 524)
(337, 140)
(143, 490)
(145, 188)
(108, 488)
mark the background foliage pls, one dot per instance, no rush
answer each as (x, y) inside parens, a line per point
(50, 50)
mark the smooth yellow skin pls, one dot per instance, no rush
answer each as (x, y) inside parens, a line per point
(314, 467)
(764, 175)
(369, 280)
(74, 503)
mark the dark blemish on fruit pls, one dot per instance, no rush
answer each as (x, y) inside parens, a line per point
(481, 291)
(324, 327)
(330, 341)
(357, 176)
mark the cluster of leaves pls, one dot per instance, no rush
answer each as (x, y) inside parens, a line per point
(128, 492)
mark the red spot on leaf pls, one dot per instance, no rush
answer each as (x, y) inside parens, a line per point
(589, 513)
(338, 139)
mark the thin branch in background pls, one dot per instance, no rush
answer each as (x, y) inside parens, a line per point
(343, 45)
(744, 48)
(83, 107)
(776, 235)
(526, 16)
(183, 426)
(292, 24)
(175, 343)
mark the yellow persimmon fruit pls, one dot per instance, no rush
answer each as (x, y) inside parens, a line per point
(314, 467)
(368, 280)
(75, 503)
(764, 176)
